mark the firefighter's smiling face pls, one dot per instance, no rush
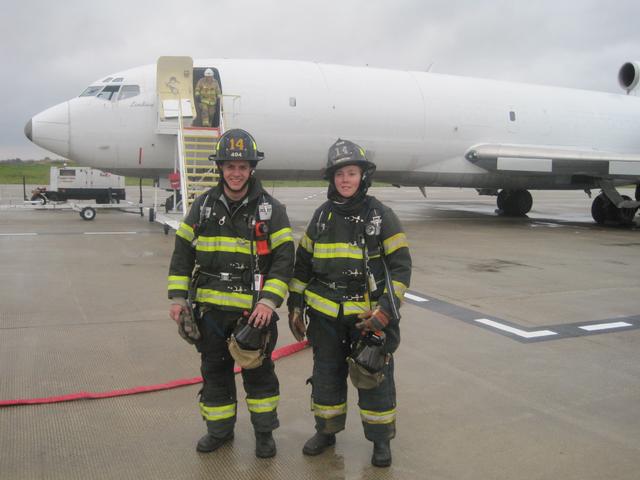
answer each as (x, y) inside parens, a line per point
(236, 173)
(347, 180)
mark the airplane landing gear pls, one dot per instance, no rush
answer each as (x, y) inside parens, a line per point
(514, 203)
(604, 211)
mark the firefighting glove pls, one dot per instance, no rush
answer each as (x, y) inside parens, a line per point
(188, 326)
(373, 321)
(296, 323)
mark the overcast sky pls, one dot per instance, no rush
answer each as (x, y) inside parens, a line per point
(51, 51)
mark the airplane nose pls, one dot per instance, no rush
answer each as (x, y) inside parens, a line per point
(50, 129)
(28, 129)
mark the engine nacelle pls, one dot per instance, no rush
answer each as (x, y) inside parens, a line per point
(629, 76)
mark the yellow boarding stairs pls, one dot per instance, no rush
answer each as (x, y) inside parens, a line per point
(197, 173)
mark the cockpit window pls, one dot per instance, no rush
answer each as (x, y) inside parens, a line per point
(91, 91)
(116, 80)
(107, 80)
(128, 91)
(109, 92)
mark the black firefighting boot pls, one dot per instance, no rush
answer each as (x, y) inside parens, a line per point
(381, 453)
(318, 443)
(209, 443)
(265, 445)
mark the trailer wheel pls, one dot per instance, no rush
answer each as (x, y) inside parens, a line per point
(88, 213)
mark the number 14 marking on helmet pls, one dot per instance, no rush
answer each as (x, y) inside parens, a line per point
(237, 143)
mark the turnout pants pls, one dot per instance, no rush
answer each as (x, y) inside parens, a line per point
(218, 395)
(332, 341)
(208, 114)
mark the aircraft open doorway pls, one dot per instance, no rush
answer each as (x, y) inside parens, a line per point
(207, 92)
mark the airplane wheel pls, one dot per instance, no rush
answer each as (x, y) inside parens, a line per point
(626, 214)
(604, 211)
(599, 209)
(501, 200)
(88, 213)
(515, 203)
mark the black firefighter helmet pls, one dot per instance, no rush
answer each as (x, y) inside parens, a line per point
(237, 144)
(345, 152)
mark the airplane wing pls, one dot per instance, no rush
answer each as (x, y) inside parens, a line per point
(545, 160)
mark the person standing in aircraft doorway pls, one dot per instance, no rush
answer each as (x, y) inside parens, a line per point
(231, 264)
(207, 93)
(352, 269)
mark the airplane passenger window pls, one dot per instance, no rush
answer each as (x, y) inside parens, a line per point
(512, 116)
(91, 91)
(109, 92)
(129, 91)
(119, 79)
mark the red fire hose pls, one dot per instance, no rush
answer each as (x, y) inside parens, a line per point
(278, 353)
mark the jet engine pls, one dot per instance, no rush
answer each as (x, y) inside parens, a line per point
(629, 76)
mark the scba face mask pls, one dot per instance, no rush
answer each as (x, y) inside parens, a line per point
(368, 360)
(247, 344)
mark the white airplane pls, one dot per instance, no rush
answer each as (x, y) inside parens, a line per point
(421, 129)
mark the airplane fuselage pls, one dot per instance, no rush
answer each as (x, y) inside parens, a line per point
(416, 126)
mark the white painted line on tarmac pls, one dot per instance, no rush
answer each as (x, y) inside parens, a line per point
(605, 326)
(110, 233)
(515, 331)
(415, 298)
(26, 234)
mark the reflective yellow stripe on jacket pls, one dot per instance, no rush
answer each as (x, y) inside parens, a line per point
(281, 236)
(297, 286)
(263, 405)
(329, 411)
(394, 243)
(354, 308)
(321, 304)
(275, 286)
(369, 416)
(399, 289)
(217, 413)
(223, 244)
(336, 250)
(185, 231)
(306, 243)
(177, 282)
(224, 299)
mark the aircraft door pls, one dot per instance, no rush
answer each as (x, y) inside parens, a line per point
(174, 83)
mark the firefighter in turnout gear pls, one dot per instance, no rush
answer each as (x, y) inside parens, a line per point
(207, 94)
(232, 261)
(352, 269)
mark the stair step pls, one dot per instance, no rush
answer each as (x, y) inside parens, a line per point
(202, 183)
(201, 171)
(193, 142)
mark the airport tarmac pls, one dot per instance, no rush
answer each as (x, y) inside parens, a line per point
(520, 356)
